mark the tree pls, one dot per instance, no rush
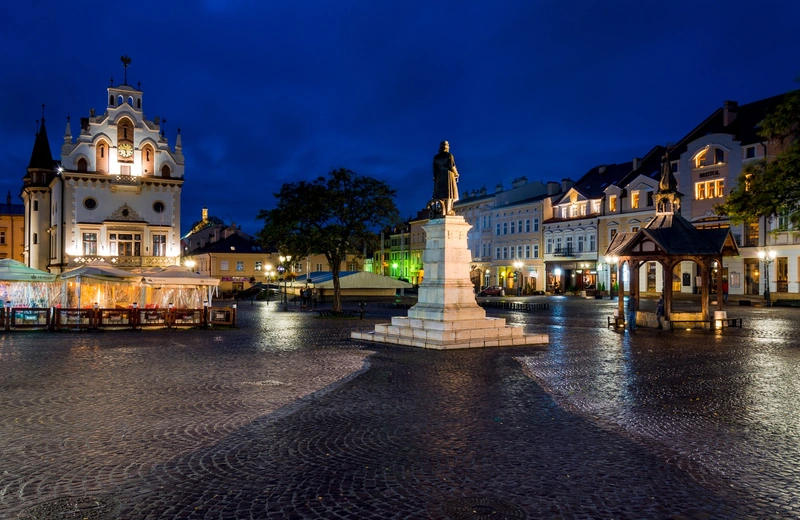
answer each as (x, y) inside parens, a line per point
(334, 216)
(769, 188)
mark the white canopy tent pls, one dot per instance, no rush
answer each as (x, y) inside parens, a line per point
(102, 284)
(179, 286)
(24, 286)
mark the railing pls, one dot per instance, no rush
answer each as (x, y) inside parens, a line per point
(564, 251)
(57, 318)
(123, 261)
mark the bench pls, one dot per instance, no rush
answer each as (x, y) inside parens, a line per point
(341, 314)
(616, 322)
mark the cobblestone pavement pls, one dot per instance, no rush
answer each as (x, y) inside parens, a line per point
(285, 417)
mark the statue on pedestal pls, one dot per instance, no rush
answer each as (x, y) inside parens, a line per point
(445, 179)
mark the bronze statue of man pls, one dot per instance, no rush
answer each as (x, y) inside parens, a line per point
(445, 179)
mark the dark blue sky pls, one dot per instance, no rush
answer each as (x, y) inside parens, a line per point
(267, 92)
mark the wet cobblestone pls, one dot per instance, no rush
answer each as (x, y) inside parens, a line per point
(285, 417)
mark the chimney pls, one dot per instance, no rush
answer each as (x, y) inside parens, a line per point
(465, 195)
(205, 214)
(729, 110)
(601, 168)
(8, 198)
(553, 187)
(637, 162)
(568, 183)
(483, 191)
(519, 182)
(498, 188)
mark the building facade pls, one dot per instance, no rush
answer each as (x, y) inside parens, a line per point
(115, 195)
(12, 230)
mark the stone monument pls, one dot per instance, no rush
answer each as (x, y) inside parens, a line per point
(446, 315)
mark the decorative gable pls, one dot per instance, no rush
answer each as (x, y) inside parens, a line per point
(125, 213)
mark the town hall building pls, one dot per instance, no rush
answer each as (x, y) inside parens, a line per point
(115, 195)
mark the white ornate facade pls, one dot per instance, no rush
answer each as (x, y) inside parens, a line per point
(116, 194)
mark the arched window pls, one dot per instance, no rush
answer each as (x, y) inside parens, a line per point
(120, 100)
(138, 102)
(111, 100)
(165, 171)
(82, 164)
(148, 162)
(101, 157)
(130, 100)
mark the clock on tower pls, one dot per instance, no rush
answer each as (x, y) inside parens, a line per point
(125, 150)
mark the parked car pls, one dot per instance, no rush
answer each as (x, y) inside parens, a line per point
(493, 290)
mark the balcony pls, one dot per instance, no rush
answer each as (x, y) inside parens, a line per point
(126, 183)
(566, 252)
(123, 262)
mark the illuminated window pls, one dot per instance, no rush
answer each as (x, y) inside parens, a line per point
(583, 209)
(700, 160)
(90, 243)
(634, 229)
(634, 200)
(240, 265)
(709, 189)
(159, 245)
(612, 203)
(719, 155)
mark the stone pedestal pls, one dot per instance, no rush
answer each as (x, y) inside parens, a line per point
(446, 315)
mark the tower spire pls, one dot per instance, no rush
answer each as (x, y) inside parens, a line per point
(126, 62)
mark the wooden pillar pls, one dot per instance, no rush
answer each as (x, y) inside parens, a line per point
(633, 267)
(620, 290)
(668, 290)
(705, 277)
(720, 296)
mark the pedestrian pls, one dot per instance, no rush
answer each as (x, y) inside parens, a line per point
(660, 311)
(725, 291)
(631, 313)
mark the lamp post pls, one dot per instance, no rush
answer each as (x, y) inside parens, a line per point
(190, 264)
(518, 267)
(487, 278)
(268, 276)
(284, 261)
(767, 257)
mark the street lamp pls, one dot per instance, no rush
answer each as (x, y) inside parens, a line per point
(767, 257)
(284, 261)
(268, 276)
(190, 264)
(518, 267)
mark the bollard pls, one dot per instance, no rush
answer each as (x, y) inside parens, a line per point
(234, 316)
(205, 313)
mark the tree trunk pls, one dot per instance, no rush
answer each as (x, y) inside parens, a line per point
(337, 291)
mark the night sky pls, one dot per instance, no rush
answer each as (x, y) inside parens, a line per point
(267, 92)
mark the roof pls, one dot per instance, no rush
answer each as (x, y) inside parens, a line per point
(352, 280)
(232, 244)
(15, 271)
(41, 157)
(99, 270)
(178, 275)
(12, 209)
(594, 182)
(676, 236)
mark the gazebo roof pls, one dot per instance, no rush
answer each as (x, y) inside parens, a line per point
(675, 236)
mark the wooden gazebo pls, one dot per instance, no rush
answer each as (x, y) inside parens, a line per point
(670, 239)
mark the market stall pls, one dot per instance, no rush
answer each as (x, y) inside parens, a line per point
(175, 284)
(26, 287)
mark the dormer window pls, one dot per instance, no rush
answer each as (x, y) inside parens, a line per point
(719, 156)
(634, 200)
(700, 160)
(612, 203)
